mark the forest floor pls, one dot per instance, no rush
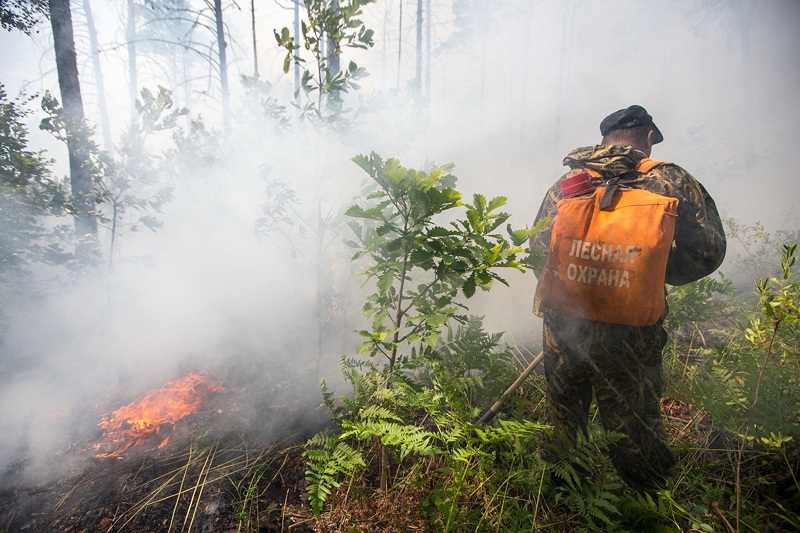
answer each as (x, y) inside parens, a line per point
(235, 464)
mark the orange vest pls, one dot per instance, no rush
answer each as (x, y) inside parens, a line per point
(609, 265)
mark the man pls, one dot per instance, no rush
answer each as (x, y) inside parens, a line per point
(619, 361)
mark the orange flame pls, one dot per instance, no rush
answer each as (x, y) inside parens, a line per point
(133, 423)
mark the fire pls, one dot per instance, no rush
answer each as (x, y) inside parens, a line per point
(133, 423)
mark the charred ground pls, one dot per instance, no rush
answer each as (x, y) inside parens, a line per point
(233, 465)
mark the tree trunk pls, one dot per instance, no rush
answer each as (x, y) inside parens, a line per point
(223, 62)
(67, 66)
(387, 16)
(428, 63)
(482, 70)
(297, 55)
(743, 12)
(255, 48)
(333, 58)
(130, 34)
(418, 72)
(187, 79)
(399, 45)
(98, 76)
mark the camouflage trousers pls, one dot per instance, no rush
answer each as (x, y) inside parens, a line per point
(621, 366)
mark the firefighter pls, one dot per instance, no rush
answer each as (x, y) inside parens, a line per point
(620, 363)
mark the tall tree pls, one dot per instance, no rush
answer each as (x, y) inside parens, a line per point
(333, 47)
(98, 75)
(743, 14)
(255, 43)
(28, 196)
(428, 59)
(130, 35)
(418, 70)
(223, 62)
(177, 32)
(296, 43)
(166, 29)
(67, 67)
(399, 44)
(329, 27)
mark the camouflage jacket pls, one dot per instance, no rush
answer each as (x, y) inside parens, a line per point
(699, 245)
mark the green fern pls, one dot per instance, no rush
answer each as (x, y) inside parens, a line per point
(328, 458)
(597, 503)
(581, 459)
(697, 302)
(660, 512)
(407, 439)
(469, 361)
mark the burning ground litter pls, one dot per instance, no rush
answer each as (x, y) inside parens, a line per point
(197, 453)
(131, 424)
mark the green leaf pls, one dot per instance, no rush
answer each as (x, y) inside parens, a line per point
(358, 212)
(484, 279)
(479, 201)
(439, 231)
(497, 201)
(421, 257)
(469, 286)
(473, 216)
(394, 245)
(385, 282)
(437, 320)
(431, 338)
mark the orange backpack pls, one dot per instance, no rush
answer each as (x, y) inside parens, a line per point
(608, 254)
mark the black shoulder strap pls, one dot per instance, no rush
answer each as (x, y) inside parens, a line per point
(642, 167)
(613, 184)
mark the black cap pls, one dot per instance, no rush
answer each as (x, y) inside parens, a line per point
(631, 117)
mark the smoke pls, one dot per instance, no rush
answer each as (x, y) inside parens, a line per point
(514, 86)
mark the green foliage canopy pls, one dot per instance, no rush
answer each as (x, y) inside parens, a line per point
(329, 27)
(419, 267)
(27, 193)
(22, 15)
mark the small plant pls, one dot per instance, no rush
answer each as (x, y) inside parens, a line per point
(754, 257)
(328, 460)
(419, 267)
(261, 109)
(746, 379)
(417, 405)
(247, 493)
(777, 338)
(131, 182)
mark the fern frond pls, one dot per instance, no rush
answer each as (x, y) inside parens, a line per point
(328, 458)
